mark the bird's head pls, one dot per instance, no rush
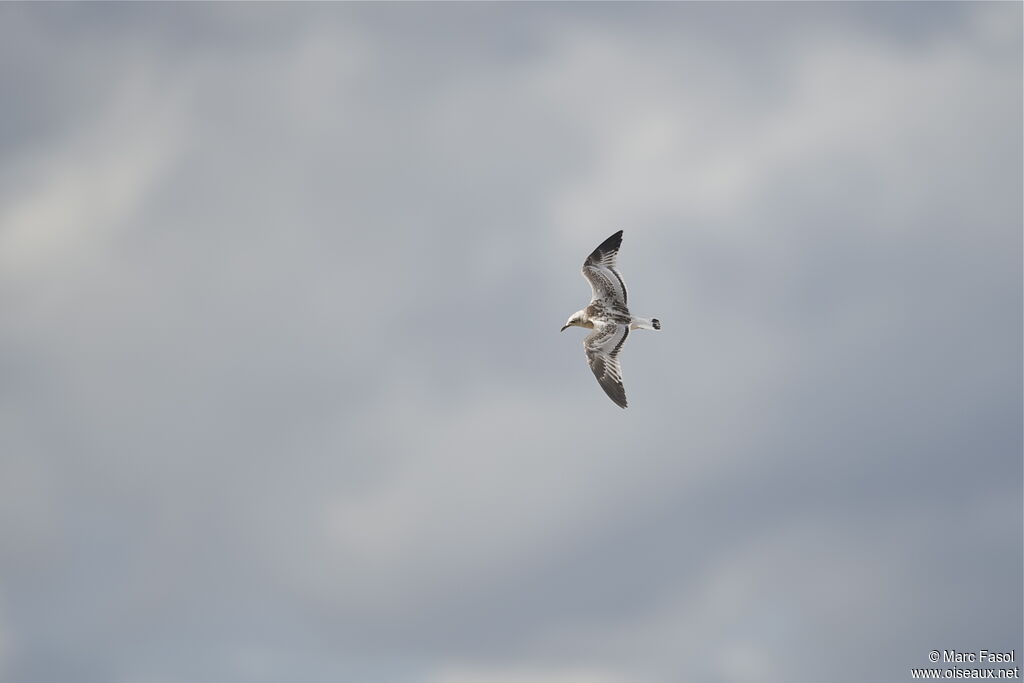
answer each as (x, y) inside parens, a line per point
(576, 319)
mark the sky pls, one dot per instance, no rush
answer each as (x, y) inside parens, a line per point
(283, 393)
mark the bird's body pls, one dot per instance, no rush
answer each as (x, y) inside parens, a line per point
(609, 318)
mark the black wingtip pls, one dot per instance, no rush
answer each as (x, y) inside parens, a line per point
(620, 401)
(612, 242)
(615, 392)
(610, 245)
(656, 323)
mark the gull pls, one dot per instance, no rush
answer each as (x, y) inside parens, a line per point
(608, 317)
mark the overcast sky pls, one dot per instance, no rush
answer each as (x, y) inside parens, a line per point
(283, 396)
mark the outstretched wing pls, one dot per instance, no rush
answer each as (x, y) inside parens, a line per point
(603, 346)
(603, 276)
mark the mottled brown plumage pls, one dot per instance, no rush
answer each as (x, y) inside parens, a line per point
(609, 318)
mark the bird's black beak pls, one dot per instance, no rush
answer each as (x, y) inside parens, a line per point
(564, 327)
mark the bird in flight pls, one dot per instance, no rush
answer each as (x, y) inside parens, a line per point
(608, 317)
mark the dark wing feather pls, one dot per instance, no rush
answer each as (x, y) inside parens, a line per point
(603, 346)
(602, 273)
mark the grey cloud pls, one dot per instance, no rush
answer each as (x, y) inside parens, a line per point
(220, 465)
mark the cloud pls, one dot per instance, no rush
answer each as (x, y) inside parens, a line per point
(521, 676)
(807, 592)
(284, 383)
(705, 150)
(6, 645)
(81, 189)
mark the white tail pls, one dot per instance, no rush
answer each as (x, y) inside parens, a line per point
(645, 324)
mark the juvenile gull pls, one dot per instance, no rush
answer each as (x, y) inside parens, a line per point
(608, 317)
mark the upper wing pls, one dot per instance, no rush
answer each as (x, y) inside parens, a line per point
(603, 346)
(601, 273)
